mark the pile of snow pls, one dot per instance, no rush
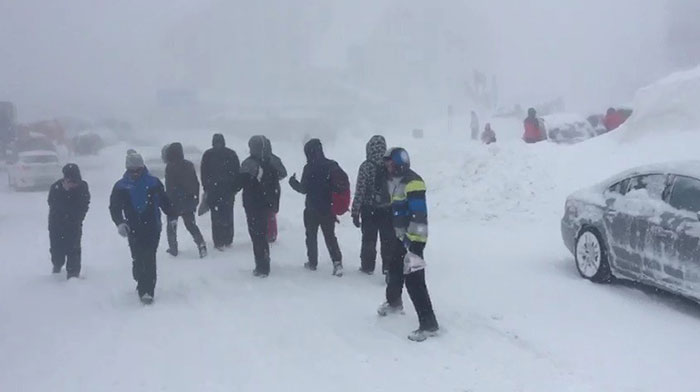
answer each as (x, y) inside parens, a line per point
(670, 104)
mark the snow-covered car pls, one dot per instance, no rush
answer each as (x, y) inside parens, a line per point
(642, 225)
(155, 159)
(568, 128)
(33, 169)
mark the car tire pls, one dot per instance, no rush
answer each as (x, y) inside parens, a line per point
(591, 256)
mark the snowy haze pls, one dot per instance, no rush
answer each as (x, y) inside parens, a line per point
(99, 58)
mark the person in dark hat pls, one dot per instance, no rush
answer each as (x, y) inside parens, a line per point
(69, 200)
(135, 205)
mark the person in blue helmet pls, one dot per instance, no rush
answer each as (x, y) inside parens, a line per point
(407, 265)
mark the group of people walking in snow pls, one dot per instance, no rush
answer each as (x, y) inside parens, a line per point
(389, 205)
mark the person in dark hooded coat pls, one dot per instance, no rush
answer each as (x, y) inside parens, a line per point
(371, 207)
(219, 169)
(182, 187)
(277, 164)
(316, 185)
(260, 184)
(69, 200)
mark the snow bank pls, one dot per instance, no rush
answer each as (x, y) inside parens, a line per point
(670, 104)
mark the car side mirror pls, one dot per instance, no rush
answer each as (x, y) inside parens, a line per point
(609, 202)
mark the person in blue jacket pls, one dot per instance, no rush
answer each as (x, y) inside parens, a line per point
(135, 206)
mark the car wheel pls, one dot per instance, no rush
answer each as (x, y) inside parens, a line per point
(592, 257)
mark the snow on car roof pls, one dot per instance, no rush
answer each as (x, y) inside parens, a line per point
(563, 118)
(36, 153)
(681, 168)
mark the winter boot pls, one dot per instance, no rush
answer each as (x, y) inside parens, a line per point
(147, 299)
(72, 275)
(366, 271)
(421, 335)
(56, 270)
(202, 250)
(172, 252)
(259, 274)
(338, 269)
(386, 309)
(309, 266)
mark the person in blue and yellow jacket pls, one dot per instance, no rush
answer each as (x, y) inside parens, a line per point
(410, 220)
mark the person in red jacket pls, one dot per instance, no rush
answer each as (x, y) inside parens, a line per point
(613, 119)
(533, 129)
(488, 136)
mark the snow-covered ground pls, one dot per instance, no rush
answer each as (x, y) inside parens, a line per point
(514, 312)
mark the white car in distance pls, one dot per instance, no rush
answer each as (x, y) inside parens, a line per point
(33, 169)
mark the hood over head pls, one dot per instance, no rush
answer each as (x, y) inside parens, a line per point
(267, 147)
(259, 147)
(175, 153)
(71, 172)
(218, 141)
(313, 150)
(376, 147)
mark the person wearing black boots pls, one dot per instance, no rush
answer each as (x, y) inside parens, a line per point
(316, 185)
(69, 200)
(371, 207)
(407, 264)
(220, 167)
(260, 183)
(182, 187)
(135, 205)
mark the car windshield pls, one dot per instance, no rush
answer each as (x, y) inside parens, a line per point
(39, 159)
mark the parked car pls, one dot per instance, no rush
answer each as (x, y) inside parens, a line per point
(642, 225)
(33, 169)
(568, 128)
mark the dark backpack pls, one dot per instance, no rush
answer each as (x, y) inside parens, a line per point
(380, 196)
(340, 191)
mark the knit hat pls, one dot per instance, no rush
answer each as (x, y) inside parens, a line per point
(71, 172)
(134, 161)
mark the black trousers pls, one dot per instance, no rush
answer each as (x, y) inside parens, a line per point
(257, 228)
(415, 285)
(65, 248)
(143, 253)
(312, 221)
(376, 222)
(190, 225)
(222, 222)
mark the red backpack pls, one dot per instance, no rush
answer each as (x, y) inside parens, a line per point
(340, 191)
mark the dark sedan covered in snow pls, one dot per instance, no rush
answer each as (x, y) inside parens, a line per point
(642, 225)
